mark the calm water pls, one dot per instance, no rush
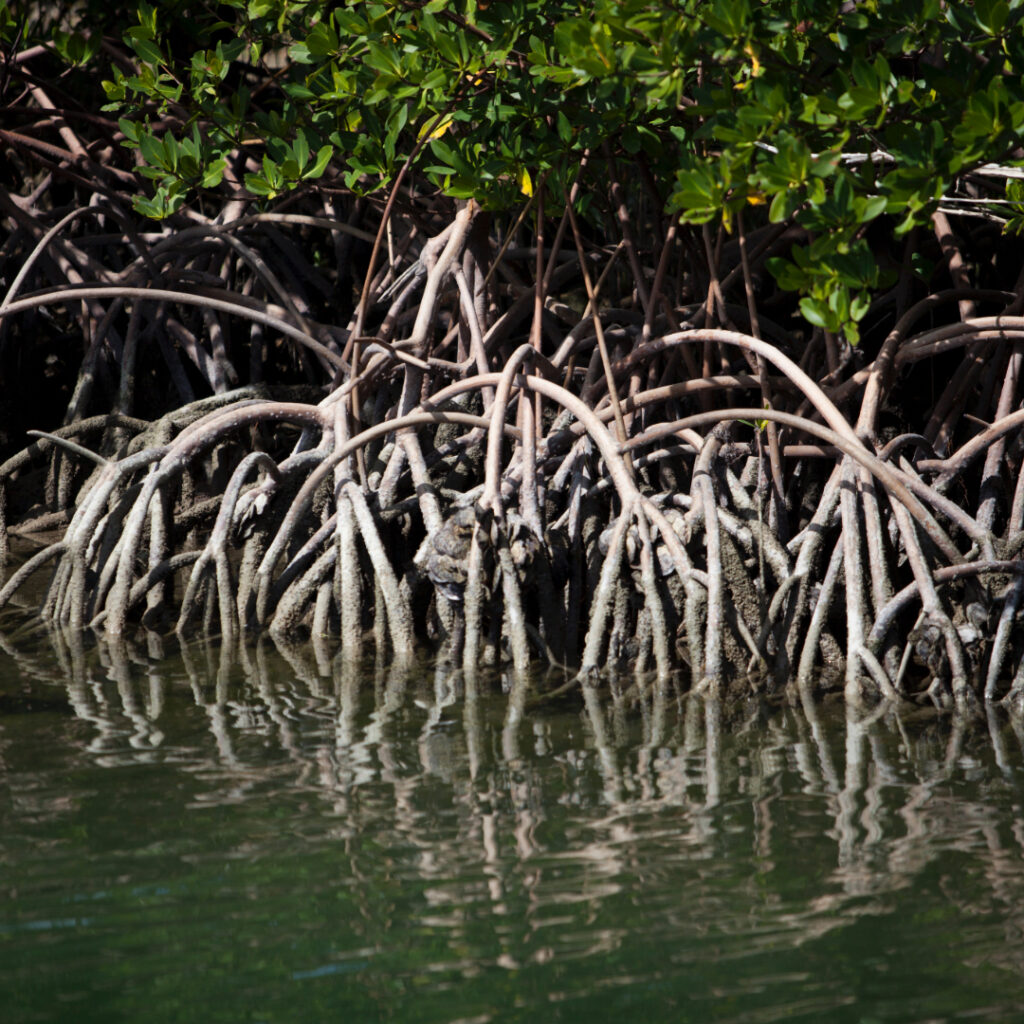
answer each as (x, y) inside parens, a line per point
(272, 838)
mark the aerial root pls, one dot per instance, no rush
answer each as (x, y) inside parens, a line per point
(604, 510)
(661, 586)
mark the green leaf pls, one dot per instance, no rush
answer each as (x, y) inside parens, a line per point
(730, 17)
(790, 277)
(300, 148)
(815, 312)
(213, 173)
(783, 204)
(142, 43)
(130, 130)
(148, 207)
(152, 149)
(384, 59)
(871, 208)
(322, 41)
(991, 15)
(323, 157)
(259, 186)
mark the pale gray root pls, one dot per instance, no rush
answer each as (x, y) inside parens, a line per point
(933, 607)
(1011, 602)
(5, 549)
(1016, 520)
(601, 606)
(381, 621)
(430, 508)
(396, 604)
(321, 628)
(168, 567)
(881, 585)
(292, 607)
(209, 593)
(706, 507)
(819, 617)
(215, 550)
(735, 617)
(74, 591)
(72, 446)
(1015, 698)
(58, 593)
(659, 632)
(104, 552)
(348, 574)
(441, 265)
(778, 602)
(267, 590)
(878, 674)
(514, 716)
(160, 572)
(746, 604)
(159, 551)
(619, 634)
(991, 475)
(953, 512)
(90, 425)
(297, 564)
(856, 613)
(643, 642)
(472, 605)
(517, 637)
(31, 565)
(694, 613)
(492, 651)
(1001, 643)
(809, 543)
(117, 599)
(252, 552)
(759, 538)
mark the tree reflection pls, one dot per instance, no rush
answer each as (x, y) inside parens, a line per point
(544, 811)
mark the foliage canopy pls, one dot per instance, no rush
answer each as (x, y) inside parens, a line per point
(827, 114)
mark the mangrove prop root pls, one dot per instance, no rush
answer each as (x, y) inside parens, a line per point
(611, 510)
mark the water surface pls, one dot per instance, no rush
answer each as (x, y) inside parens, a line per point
(275, 837)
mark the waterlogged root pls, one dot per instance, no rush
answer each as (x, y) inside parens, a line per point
(98, 580)
(288, 549)
(613, 501)
(216, 550)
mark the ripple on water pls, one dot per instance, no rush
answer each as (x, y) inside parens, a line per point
(280, 849)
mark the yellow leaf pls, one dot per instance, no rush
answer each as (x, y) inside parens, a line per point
(525, 182)
(755, 64)
(435, 129)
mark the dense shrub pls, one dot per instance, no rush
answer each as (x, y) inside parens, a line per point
(832, 115)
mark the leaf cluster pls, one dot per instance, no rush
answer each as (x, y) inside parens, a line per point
(819, 113)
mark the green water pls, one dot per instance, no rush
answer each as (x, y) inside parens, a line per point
(272, 838)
